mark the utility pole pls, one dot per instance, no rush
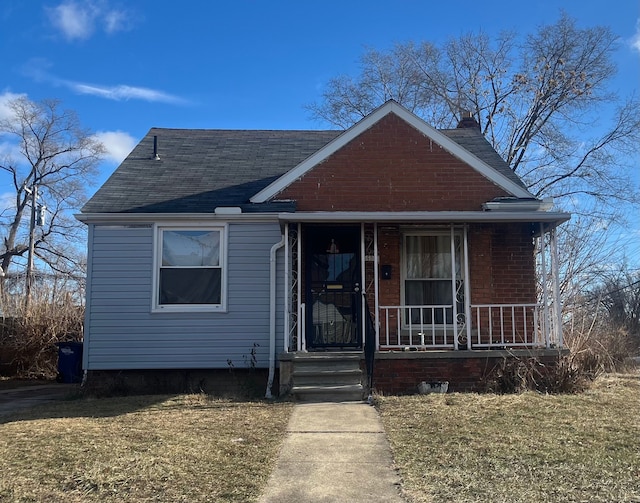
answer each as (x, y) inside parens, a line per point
(32, 230)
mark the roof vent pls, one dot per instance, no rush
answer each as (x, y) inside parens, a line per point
(467, 121)
(155, 157)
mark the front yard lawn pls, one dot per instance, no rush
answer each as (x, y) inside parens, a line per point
(189, 448)
(519, 448)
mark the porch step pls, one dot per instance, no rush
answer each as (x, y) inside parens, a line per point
(343, 393)
(334, 377)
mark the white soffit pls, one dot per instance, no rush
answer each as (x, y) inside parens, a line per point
(357, 129)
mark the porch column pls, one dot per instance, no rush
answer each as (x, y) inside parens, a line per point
(454, 289)
(302, 344)
(545, 295)
(363, 292)
(556, 287)
(287, 288)
(467, 286)
(376, 283)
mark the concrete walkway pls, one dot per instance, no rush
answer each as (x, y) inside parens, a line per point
(334, 452)
(14, 399)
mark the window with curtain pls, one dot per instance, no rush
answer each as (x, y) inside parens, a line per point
(190, 268)
(428, 275)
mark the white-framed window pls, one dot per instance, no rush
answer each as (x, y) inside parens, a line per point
(190, 270)
(430, 276)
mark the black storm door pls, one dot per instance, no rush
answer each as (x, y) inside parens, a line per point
(333, 287)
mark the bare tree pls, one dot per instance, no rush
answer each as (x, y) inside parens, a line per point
(55, 158)
(538, 100)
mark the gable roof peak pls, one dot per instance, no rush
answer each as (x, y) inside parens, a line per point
(502, 180)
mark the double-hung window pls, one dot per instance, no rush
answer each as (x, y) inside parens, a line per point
(190, 268)
(431, 278)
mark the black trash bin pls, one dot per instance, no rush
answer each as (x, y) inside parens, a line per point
(69, 362)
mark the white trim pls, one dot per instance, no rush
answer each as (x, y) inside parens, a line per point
(287, 290)
(376, 279)
(216, 219)
(157, 253)
(413, 120)
(425, 216)
(545, 296)
(555, 269)
(467, 285)
(454, 300)
(328, 216)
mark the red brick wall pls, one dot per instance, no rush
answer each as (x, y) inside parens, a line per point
(391, 167)
(402, 375)
(501, 264)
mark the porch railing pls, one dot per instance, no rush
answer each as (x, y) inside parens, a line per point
(490, 326)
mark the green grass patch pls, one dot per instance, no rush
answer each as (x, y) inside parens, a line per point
(519, 448)
(191, 448)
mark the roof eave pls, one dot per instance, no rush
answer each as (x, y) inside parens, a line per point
(144, 218)
(426, 216)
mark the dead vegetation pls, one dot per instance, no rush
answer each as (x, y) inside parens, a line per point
(187, 448)
(517, 448)
(28, 337)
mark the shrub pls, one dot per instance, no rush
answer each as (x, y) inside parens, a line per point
(29, 339)
(516, 375)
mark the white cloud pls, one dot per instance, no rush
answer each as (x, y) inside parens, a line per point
(7, 202)
(74, 20)
(635, 39)
(116, 20)
(123, 92)
(37, 69)
(5, 111)
(79, 19)
(118, 144)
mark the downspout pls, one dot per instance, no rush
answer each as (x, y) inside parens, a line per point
(272, 314)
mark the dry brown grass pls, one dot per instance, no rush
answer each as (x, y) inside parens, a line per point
(181, 449)
(519, 448)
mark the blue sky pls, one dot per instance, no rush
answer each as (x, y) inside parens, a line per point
(126, 66)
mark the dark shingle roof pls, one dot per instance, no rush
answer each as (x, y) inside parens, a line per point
(201, 169)
(473, 140)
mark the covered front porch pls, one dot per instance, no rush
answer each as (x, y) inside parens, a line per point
(451, 281)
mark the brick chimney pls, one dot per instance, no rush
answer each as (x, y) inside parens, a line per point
(467, 121)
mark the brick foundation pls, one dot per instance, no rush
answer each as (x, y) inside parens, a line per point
(397, 373)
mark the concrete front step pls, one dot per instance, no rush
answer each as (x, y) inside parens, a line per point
(330, 376)
(322, 393)
(327, 377)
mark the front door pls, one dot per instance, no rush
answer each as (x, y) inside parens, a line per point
(333, 287)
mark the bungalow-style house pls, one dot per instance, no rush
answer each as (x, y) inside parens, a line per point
(385, 255)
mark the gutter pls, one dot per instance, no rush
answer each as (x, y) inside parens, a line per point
(272, 315)
(426, 216)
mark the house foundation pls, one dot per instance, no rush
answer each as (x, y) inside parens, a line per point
(244, 383)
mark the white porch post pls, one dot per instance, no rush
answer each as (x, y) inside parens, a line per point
(467, 286)
(453, 288)
(545, 295)
(376, 283)
(556, 287)
(287, 288)
(302, 344)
